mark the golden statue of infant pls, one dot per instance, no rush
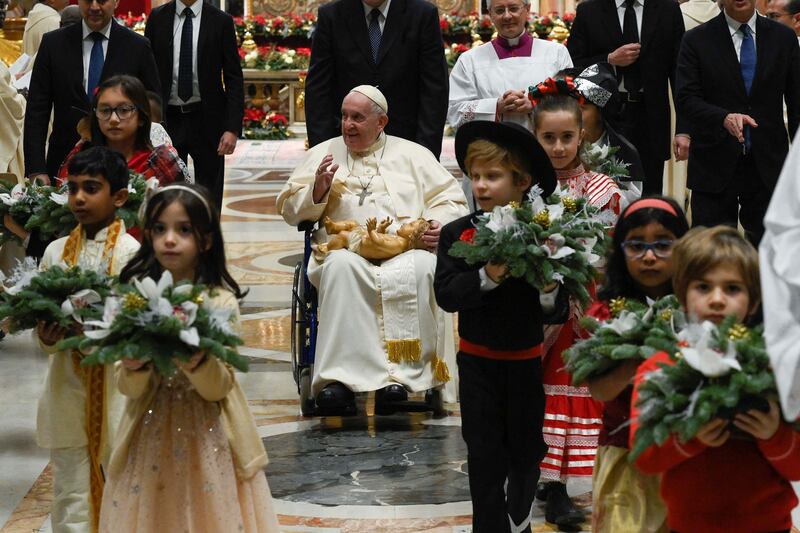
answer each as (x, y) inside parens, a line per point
(371, 241)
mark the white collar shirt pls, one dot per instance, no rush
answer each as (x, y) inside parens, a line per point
(177, 32)
(638, 8)
(737, 36)
(88, 43)
(383, 8)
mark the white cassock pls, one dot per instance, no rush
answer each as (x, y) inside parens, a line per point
(480, 77)
(378, 325)
(780, 282)
(41, 19)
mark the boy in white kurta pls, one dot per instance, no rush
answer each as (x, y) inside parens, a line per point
(80, 407)
(370, 313)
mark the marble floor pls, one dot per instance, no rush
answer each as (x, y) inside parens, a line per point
(400, 473)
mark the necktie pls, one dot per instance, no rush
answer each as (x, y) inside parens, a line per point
(630, 34)
(95, 64)
(185, 61)
(747, 63)
(374, 33)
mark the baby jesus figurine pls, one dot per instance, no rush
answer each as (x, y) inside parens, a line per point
(372, 241)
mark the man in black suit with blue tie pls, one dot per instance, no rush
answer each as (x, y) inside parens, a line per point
(395, 45)
(734, 73)
(203, 87)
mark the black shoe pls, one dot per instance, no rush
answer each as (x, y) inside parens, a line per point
(336, 397)
(541, 491)
(387, 396)
(560, 509)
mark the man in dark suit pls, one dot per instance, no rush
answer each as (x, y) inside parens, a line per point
(203, 87)
(71, 63)
(610, 30)
(734, 73)
(393, 44)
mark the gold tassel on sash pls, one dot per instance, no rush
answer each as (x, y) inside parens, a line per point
(440, 371)
(404, 350)
(93, 377)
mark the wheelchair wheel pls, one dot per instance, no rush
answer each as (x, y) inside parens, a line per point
(297, 324)
(307, 403)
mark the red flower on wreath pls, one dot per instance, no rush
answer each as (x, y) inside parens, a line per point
(303, 52)
(278, 119)
(468, 235)
(444, 25)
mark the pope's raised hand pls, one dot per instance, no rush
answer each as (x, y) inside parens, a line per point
(323, 177)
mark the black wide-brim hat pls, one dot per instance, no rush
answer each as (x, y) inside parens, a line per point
(517, 140)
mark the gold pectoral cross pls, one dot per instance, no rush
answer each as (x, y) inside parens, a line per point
(363, 195)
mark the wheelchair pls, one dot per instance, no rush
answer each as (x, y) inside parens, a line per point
(304, 322)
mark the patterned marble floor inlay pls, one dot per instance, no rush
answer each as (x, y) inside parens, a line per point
(385, 461)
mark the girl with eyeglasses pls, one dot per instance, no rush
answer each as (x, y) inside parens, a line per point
(120, 119)
(639, 267)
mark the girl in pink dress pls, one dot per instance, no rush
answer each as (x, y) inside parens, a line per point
(188, 456)
(572, 420)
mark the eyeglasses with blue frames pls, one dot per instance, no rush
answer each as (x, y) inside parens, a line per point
(635, 249)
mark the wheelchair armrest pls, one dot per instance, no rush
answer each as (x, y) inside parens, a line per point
(306, 225)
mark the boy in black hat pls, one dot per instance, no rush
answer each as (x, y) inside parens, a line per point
(500, 328)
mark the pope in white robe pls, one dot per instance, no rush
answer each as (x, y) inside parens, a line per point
(491, 82)
(379, 324)
(780, 282)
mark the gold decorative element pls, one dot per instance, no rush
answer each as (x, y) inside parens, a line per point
(569, 203)
(440, 371)
(133, 302)
(616, 305)
(10, 49)
(559, 33)
(300, 99)
(248, 44)
(666, 315)
(678, 355)
(738, 332)
(198, 299)
(542, 218)
(404, 350)
(513, 204)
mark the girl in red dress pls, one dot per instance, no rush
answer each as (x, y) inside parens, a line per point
(573, 419)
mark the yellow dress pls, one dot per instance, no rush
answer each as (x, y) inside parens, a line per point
(188, 457)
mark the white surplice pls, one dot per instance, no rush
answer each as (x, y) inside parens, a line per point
(780, 282)
(479, 78)
(363, 305)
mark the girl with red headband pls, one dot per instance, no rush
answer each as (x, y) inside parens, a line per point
(639, 267)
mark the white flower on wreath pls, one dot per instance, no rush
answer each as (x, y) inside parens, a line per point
(80, 300)
(554, 247)
(153, 293)
(288, 60)
(22, 275)
(16, 194)
(501, 217)
(111, 308)
(625, 322)
(60, 199)
(588, 253)
(700, 354)
(220, 318)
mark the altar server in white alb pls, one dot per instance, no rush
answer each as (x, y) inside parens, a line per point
(491, 82)
(379, 326)
(780, 282)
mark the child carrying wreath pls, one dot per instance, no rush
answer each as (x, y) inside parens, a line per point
(726, 459)
(80, 407)
(500, 326)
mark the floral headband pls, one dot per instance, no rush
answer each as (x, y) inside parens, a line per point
(553, 87)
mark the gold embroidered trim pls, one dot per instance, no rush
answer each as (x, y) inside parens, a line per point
(403, 350)
(93, 377)
(440, 371)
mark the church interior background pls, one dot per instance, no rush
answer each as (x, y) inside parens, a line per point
(399, 473)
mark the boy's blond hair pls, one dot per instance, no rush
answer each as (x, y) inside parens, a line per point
(491, 153)
(703, 249)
